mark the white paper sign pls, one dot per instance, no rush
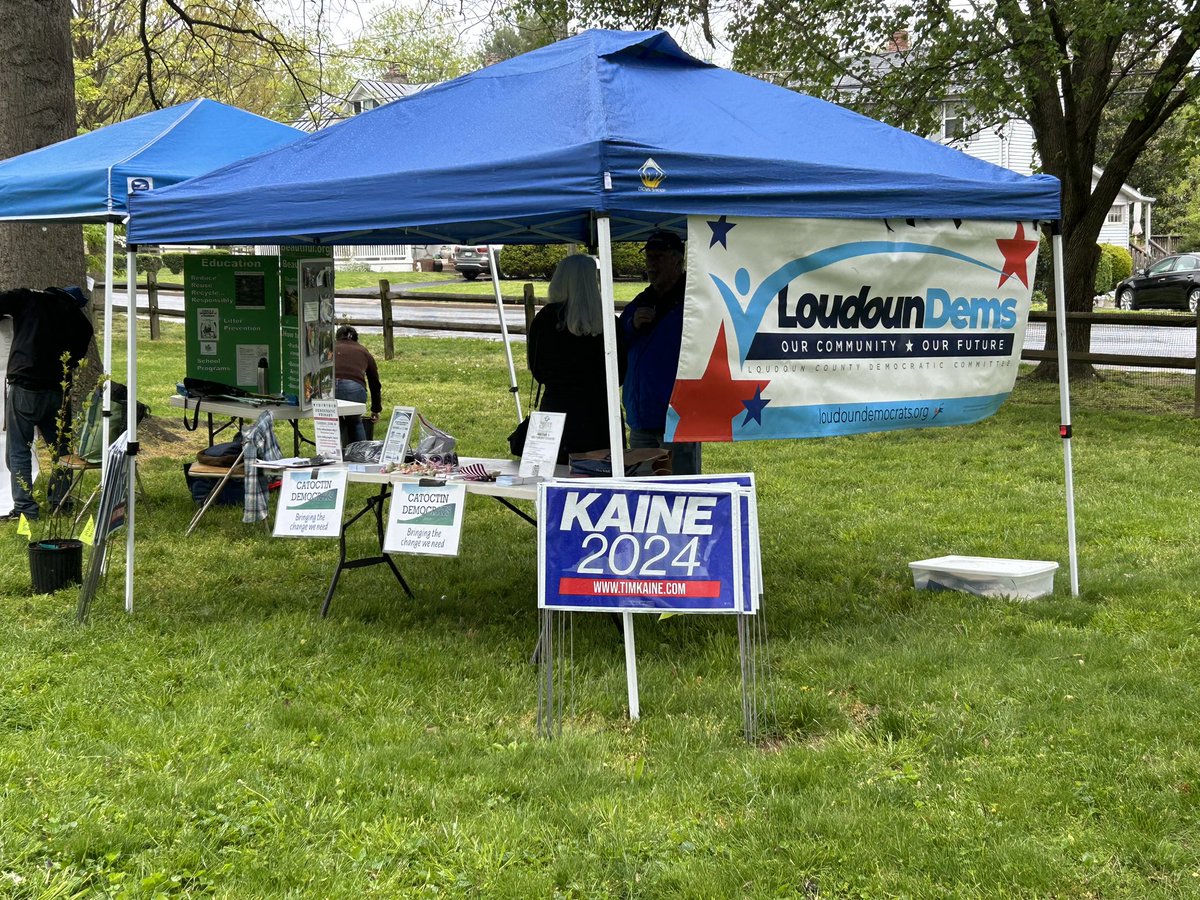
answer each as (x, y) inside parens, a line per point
(425, 520)
(248, 357)
(541, 444)
(311, 506)
(399, 429)
(325, 428)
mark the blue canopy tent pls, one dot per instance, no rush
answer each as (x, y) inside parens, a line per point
(89, 178)
(559, 137)
(604, 136)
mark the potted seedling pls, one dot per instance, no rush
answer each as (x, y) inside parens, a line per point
(55, 550)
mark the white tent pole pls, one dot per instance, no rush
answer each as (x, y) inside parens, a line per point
(494, 261)
(131, 376)
(106, 405)
(612, 379)
(608, 308)
(1064, 396)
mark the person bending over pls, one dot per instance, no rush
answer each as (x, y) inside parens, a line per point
(47, 325)
(354, 370)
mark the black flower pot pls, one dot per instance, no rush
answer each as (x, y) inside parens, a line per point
(55, 563)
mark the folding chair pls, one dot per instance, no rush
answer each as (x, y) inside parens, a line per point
(258, 443)
(79, 467)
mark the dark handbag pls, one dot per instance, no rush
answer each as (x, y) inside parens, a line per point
(516, 440)
(202, 387)
(199, 388)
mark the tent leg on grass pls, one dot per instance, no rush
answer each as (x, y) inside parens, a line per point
(1064, 397)
(616, 452)
(131, 375)
(106, 409)
(494, 259)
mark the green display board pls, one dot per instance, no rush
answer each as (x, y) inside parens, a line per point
(296, 361)
(316, 330)
(231, 319)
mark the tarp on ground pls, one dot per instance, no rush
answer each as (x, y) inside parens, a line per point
(88, 178)
(532, 149)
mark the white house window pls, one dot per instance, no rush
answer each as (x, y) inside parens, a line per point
(1116, 215)
(952, 121)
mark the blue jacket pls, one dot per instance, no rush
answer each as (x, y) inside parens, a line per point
(653, 358)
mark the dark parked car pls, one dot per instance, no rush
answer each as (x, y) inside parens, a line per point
(472, 262)
(1173, 282)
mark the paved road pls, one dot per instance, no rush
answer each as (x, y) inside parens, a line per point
(1135, 340)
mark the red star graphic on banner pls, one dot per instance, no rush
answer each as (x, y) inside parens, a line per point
(706, 405)
(1016, 252)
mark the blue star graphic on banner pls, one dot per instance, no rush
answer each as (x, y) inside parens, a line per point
(754, 406)
(720, 232)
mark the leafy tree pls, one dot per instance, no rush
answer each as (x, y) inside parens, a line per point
(518, 30)
(1180, 205)
(132, 56)
(416, 45)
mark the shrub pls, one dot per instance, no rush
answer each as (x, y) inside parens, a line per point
(354, 266)
(1043, 275)
(1122, 262)
(174, 262)
(628, 261)
(530, 260)
(1104, 274)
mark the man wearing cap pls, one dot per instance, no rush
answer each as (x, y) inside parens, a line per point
(653, 326)
(46, 325)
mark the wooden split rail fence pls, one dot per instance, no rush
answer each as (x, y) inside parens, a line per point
(386, 297)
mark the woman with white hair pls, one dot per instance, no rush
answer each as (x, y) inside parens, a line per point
(565, 351)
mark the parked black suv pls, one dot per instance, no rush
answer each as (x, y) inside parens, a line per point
(472, 261)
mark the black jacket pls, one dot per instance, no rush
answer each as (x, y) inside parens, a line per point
(571, 370)
(46, 324)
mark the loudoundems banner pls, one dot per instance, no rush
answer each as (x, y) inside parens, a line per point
(798, 328)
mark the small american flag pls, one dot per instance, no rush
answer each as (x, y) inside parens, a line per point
(474, 472)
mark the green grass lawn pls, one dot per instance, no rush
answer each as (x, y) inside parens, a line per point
(224, 740)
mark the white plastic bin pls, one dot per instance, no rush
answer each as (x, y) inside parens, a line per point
(986, 576)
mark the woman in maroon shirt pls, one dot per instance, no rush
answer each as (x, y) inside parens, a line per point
(354, 370)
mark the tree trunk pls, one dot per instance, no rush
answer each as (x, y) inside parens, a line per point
(1080, 228)
(37, 107)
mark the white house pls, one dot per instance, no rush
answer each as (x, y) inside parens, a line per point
(1011, 144)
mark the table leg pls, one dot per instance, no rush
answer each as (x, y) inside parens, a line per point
(374, 504)
(520, 512)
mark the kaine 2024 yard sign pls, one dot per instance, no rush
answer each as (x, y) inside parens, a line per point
(642, 547)
(813, 327)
